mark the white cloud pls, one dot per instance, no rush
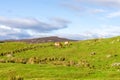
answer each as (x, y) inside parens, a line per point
(7, 32)
(107, 3)
(114, 14)
(4, 30)
(15, 33)
(30, 23)
(5, 27)
(94, 11)
(103, 32)
(28, 27)
(82, 9)
(73, 7)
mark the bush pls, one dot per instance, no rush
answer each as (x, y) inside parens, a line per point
(15, 78)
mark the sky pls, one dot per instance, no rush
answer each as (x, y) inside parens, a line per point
(72, 19)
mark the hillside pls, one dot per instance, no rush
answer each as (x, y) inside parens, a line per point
(95, 59)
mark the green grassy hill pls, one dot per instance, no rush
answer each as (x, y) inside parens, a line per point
(95, 59)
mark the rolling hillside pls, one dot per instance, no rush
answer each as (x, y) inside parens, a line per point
(95, 59)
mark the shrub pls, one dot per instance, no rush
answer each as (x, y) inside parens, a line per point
(15, 78)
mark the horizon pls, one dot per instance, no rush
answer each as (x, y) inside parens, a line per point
(71, 19)
(56, 37)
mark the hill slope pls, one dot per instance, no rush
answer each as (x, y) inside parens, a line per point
(96, 59)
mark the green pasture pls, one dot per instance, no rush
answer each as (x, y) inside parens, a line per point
(79, 61)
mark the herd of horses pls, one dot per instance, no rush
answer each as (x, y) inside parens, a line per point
(60, 44)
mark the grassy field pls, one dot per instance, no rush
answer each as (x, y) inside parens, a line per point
(96, 59)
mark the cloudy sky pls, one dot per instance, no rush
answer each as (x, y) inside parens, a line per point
(74, 19)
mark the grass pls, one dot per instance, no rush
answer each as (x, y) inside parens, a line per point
(79, 63)
(51, 72)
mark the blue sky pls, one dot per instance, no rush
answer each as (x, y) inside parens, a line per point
(74, 19)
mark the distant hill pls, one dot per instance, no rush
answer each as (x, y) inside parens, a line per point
(41, 40)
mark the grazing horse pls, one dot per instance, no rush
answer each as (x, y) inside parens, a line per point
(66, 43)
(58, 44)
